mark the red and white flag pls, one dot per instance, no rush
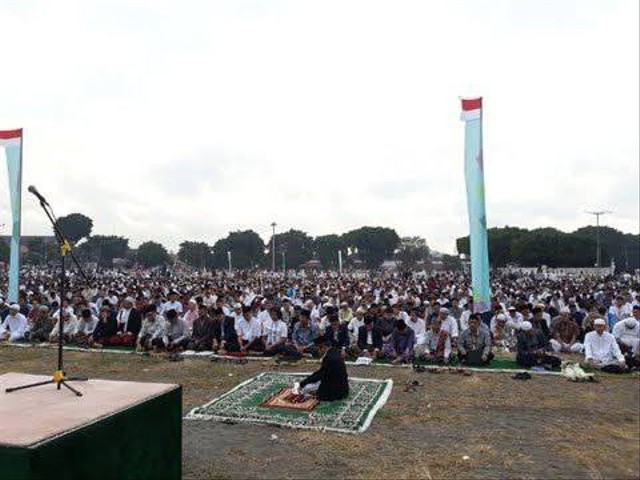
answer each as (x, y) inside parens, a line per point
(11, 138)
(471, 109)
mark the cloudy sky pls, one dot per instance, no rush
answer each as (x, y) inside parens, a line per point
(183, 120)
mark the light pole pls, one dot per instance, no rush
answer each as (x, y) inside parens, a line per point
(597, 214)
(273, 247)
(284, 262)
(229, 259)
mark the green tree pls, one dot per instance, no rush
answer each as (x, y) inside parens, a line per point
(152, 254)
(374, 244)
(451, 262)
(75, 226)
(103, 249)
(412, 250)
(246, 247)
(500, 241)
(196, 254)
(326, 248)
(295, 244)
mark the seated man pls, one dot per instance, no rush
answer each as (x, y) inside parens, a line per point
(305, 334)
(474, 345)
(151, 323)
(174, 336)
(331, 381)
(627, 334)
(202, 331)
(129, 320)
(86, 325)
(15, 325)
(369, 339)
(502, 333)
(532, 348)
(336, 334)
(438, 344)
(105, 329)
(355, 324)
(41, 325)
(399, 348)
(225, 337)
(275, 334)
(69, 327)
(249, 332)
(601, 349)
(419, 328)
(565, 333)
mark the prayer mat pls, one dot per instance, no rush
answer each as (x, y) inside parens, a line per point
(285, 398)
(245, 403)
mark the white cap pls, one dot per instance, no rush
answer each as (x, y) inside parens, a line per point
(526, 325)
(501, 316)
(565, 310)
(599, 321)
(444, 310)
(15, 306)
(237, 305)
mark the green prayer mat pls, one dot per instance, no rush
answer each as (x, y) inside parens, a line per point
(242, 404)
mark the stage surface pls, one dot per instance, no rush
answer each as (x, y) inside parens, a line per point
(115, 428)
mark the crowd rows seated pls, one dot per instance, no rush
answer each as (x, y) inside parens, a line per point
(399, 320)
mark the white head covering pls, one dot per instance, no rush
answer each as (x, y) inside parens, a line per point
(15, 306)
(630, 322)
(526, 325)
(599, 321)
(501, 316)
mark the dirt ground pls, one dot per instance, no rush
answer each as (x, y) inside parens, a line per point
(543, 428)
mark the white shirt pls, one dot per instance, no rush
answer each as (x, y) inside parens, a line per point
(354, 326)
(450, 325)
(177, 306)
(419, 328)
(464, 320)
(623, 333)
(624, 311)
(87, 326)
(68, 328)
(602, 348)
(17, 325)
(123, 318)
(275, 331)
(248, 330)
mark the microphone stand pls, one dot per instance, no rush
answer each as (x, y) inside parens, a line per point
(59, 377)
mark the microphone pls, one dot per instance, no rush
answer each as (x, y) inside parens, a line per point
(35, 191)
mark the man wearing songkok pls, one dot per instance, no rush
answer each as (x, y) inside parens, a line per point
(369, 339)
(438, 344)
(565, 334)
(202, 330)
(601, 349)
(305, 334)
(249, 332)
(86, 326)
(275, 334)
(532, 348)
(173, 336)
(41, 325)
(15, 325)
(474, 344)
(399, 348)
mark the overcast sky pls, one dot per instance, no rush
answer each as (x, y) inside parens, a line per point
(182, 120)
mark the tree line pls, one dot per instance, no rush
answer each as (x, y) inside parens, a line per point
(555, 248)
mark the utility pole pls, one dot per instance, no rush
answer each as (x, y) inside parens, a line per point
(273, 247)
(597, 214)
(284, 262)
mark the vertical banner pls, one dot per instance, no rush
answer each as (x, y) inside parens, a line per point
(474, 178)
(11, 140)
(340, 262)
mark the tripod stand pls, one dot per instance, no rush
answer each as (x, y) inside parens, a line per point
(59, 377)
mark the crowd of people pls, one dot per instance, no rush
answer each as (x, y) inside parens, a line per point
(400, 318)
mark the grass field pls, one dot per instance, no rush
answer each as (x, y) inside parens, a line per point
(481, 426)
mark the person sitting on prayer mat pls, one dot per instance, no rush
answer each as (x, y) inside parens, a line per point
(370, 339)
(275, 334)
(331, 381)
(601, 349)
(41, 326)
(69, 327)
(173, 336)
(129, 319)
(532, 348)
(437, 347)
(15, 325)
(474, 344)
(627, 334)
(202, 330)
(86, 326)
(336, 334)
(399, 348)
(305, 334)
(249, 331)
(226, 337)
(105, 329)
(152, 322)
(565, 333)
